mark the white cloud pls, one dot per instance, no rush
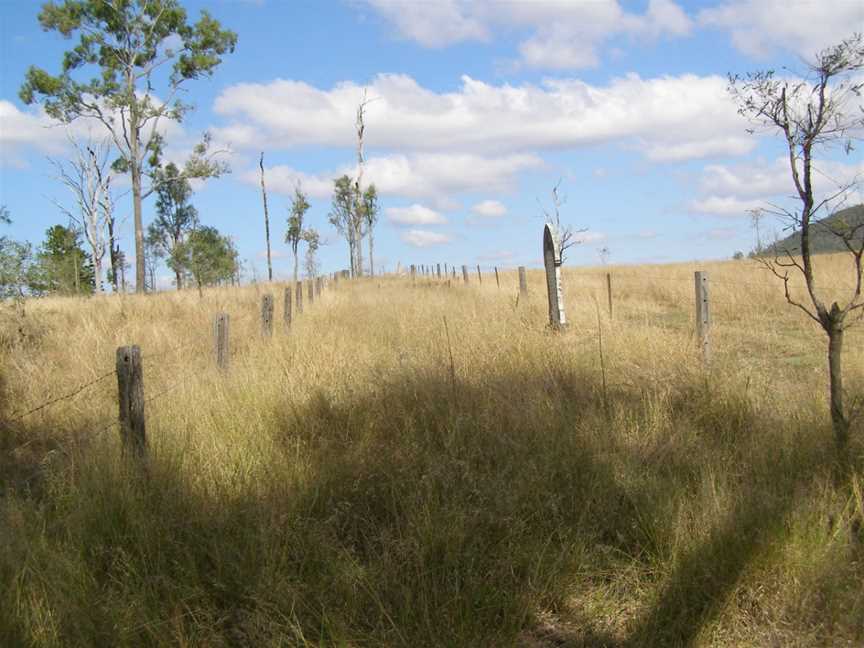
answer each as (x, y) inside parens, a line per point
(414, 215)
(489, 209)
(735, 190)
(431, 176)
(758, 27)
(562, 34)
(670, 118)
(424, 238)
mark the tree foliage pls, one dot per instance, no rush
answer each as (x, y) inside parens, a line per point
(210, 257)
(15, 263)
(125, 45)
(62, 266)
(175, 219)
(295, 232)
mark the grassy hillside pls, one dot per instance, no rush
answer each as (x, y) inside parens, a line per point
(344, 484)
(822, 239)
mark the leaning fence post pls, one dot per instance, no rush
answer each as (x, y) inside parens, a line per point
(298, 297)
(703, 316)
(439, 270)
(130, 388)
(267, 315)
(552, 261)
(479, 276)
(286, 312)
(465, 274)
(497, 282)
(220, 340)
(609, 291)
(523, 282)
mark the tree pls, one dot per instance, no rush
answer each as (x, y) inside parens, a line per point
(295, 232)
(88, 178)
(175, 220)
(127, 43)
(211, 257)
(341, 216)
(371, 210)
(813, 114)
(15, 263)
(313, 242)
(565, 233)
(266, 219)
(62, 266)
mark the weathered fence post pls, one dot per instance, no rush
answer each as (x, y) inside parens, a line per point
(552, 261)
(220, 340)
(479, 276)
(465, 274)
(413, 273)
(267, 315)
(523, 282)
(497, 281)
(453, 269)
(317, 286)
(446, 272)
(439, 270)
(298, 297)
(609, 291)
(310, 284)
(703, 315)
(130, 388)
(286, 312)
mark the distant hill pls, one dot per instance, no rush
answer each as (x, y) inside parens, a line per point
(821, 239)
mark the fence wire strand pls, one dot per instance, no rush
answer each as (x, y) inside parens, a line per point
(64, 397)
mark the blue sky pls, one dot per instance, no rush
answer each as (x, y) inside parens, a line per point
(480, 108)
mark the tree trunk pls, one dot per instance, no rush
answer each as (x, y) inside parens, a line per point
(97, 273)
(359, 239)
(112, 254)
(178, 278)
(140, 274)
(266, 220)
(839, 422)
(371, 257)
(296, 265)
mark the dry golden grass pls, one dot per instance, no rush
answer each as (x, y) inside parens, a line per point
(340, 486)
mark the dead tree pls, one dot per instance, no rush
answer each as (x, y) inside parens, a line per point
(812, 114)
(266, 219)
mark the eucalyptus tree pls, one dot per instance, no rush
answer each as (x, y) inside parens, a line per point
(127, 45)
(814, 114)
(295, 231)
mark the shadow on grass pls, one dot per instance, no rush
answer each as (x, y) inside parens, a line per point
(413, 512)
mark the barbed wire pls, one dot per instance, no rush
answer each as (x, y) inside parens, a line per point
(61, 398)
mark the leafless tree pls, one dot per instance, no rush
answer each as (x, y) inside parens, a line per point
(266, 218)
(820, 110)
(566, 233)
(88, 177)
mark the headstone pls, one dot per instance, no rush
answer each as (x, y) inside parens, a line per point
(552, 261)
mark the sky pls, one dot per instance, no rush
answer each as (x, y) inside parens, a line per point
(477, 110)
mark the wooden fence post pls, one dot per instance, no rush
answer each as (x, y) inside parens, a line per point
(497, 281)
(220, 340)
(413, 273)
(267, 315)
(703, 315)
(479, 276)
(552, 261)
(609, 291)
(298, 297)
(465, 274)
(446, 271)
(310, 291)
(130, 388)
(523, 282)
(286, 312)
(317, 286)
(439, 270)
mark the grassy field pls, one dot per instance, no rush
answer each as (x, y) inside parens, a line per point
(344, 484)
